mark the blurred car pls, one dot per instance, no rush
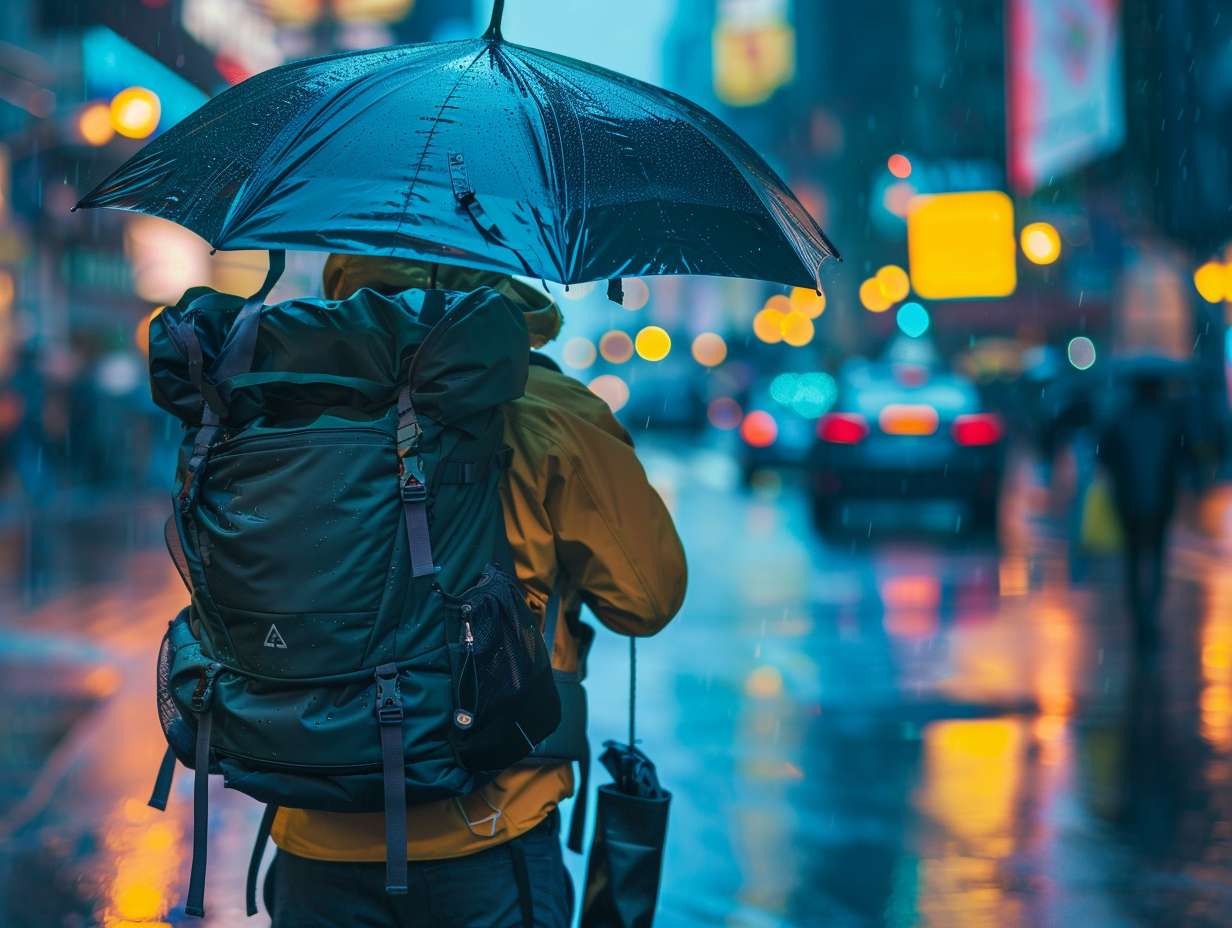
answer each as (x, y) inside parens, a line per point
(780, 419)
(908, 428)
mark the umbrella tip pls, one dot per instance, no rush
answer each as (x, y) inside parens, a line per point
(494, 27)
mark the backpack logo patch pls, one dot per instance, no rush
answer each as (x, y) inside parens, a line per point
(273, 639)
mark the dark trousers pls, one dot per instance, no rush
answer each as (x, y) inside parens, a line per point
(1146, 542)
(478, 891)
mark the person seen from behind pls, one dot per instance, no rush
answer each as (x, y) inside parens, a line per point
(580, 515)
(1145, 445)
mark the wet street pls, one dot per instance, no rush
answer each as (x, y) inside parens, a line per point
(883, 728)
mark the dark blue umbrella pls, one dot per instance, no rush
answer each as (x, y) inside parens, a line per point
(475, 152)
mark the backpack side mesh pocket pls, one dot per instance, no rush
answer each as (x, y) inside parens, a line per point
(505, 699)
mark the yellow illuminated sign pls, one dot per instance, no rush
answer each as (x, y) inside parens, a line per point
(962, 245)
(752, 62)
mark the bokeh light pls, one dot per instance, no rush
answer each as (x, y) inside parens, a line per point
(1211, 282)
(1081, 352)
(797, 329)
(709, 349)
(913, 319)
(808, 394)
(894, 283)
(637, 293)
(1041, 243)
(872, 297)
(811, 303)
(653, 343)
(94, 124)
(759, 429)
(768, 325)
(135, 112)
(612, 390)
(898, 196)
(724, 413)
(779, 302)
(616, 347)
(899, 166)
(579, 353)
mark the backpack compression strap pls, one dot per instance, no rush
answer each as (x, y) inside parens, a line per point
(389, 718)
(412, 485)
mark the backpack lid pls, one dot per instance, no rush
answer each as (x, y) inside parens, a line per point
(357, 352)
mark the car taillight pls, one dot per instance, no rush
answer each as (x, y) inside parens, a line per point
(842, 428)
(908, 419)
(759, 429)
(982, 428)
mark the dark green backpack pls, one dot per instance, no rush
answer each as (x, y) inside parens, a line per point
(356, 639)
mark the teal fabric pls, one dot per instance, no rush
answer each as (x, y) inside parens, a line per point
(294, 539)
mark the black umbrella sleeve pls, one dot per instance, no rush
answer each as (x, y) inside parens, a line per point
(626, 860)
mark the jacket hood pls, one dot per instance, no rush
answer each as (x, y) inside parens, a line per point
(345, 274)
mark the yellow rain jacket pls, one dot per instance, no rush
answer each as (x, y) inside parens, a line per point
(577, 503)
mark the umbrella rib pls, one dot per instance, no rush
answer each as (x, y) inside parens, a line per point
(240, 208)
(436, 121)
(555, 166)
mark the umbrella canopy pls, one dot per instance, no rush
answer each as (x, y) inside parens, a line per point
(476, 152)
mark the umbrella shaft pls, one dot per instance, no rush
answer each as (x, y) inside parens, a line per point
(494, 27)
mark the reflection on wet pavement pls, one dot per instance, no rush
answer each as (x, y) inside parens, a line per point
(885, 731)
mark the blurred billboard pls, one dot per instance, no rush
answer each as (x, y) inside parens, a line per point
(754, 50)
(1065, 102)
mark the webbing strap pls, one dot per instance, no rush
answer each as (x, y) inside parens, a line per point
(258, 851)
(465, 196)
(577, 822)
(389, 719)
(237, 351)
(195, 904)
(521, 876)
(162, 783)
(463, 472)
(413, 488)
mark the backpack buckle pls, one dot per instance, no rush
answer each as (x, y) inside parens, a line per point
(388, 702)
(412, 490)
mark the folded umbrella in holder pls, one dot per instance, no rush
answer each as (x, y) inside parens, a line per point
(626, 854)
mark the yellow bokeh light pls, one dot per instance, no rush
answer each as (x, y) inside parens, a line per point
(1041, 242)
(811, 303)
(872, 297)
(139, 900)
(135, 112)
(616, 347)
(579, 353)
(94, 124)
(637, 293)
(709, 349)
(797, 329)
(962, 245)
(653, 343)
(768, 326)
(612, 390)
(894, 283)
(780, 303)
(1210, 281)
(764, 682)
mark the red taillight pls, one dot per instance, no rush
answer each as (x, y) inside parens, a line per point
(978, 429)
(759, 429)
(842, 428)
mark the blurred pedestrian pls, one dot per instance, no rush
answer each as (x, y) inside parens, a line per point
(1144, 446)
(582, 517)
